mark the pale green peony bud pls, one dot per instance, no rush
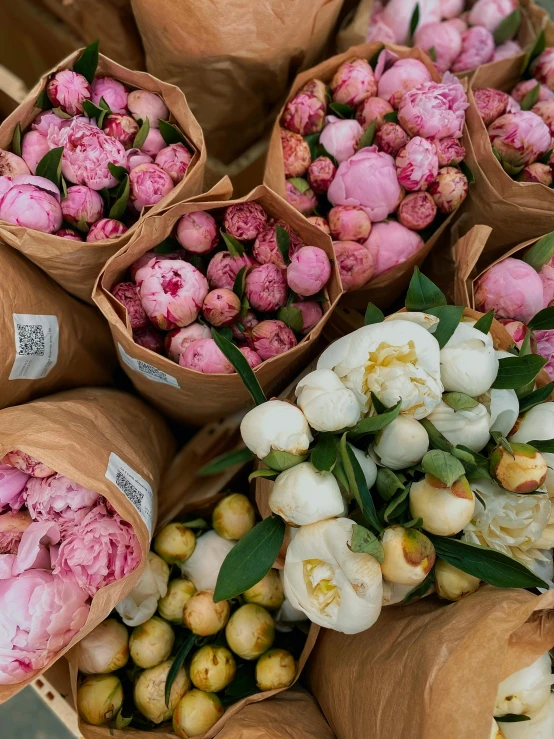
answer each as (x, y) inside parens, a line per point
(172, 604)
(275, 669)
(175, 543)
(151, 642)
(149, 692)
(250, 631)
(99, 699)
(196, 713)
(203, 616)
(267, 593)
(212, 668)
(233, 516)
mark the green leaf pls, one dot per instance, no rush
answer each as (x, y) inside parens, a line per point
(280, 461)
(512, 718)
(531, 98)
(364, 541)
(414, 523)
(235, 248)
(536, 397)
(388, 483)
(497, 154)
(487, 564)
(16, 140)
(250, 559)
(541, 252)
(357, 484)
(543, 321)
(442, 465)
(180, 657)
(420, 590)
(436, 439)
(50, 166)
(104, 105)
(63, 187)
(368, 136)
(61, 114)
(432, 53)
(312, 139)
(43, 101)
(118, 172)
(423, 294)
(375, 58)
(95, 111)
(167, 246)
(283, 242)
(225, 332)
(238, 285)
(374, 423)
(513, 372)
(170, 133)
(485, 322)
(480, 499)
(341, 110)
(239, 362)
(292, 317)
(324, 454)
(263, 472)
(379, 407)
(224, 461)
(449, 317)
(503, 442)
(537, 48)
(507, 27)
(465, 170)
(142, 133)
(82, 225)
(459, 401)
(118, 209)
(87, 63)
(395, 507)
(414, 20)
(300, 184)
(545, 159)
(373, 314)
(391, 117)
(544, 445)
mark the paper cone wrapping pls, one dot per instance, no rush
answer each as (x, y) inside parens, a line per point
(384, 289)
(79, 433)
(50, 341)
(431, 669)
(72, 264)
(234, 61)
(186, 395)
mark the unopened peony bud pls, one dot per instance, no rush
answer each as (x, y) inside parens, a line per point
(318, 221)
(171, 606)
(522, 88)
(373, 109)
(197, 232)
(318, 88)
(250, 631)
(276, 426)
(154, 143)
(521, 473)
(308, 272)
(203, 355)
(121, 127)
(300, 196)
(452, 583)
(6, 184)
(519, 138)
(449, 152)
(445, 510)
(203, 616)
(417, 211)
(341, 137)
(296, 153)
(467, 427)
(11, 165)
(304, 114)
(444, 38)
(151, 643)
(136, 157)
(247, 322)
(545, 109)
(149, 184)
(270, 338)
(68, 233)
(477, 49)
(196, 713)
(68, 90)
(311, 314)
(301, 495)
(149, 692)
(490, 103)
(275, 670)
(127, 294)
(417, 164)
(106, 228)
(468, 361)
(353, 82)
(506, 50)
(327, 404)
(82, 206)
(516, 329)
(176, 341)
(105, 649)
(380, 31)
(31, 207)
(403, 443)
(174, 159)
(449, 189)
(175, 543)
(245, 221)
(268, 592)
(144, 104)
(252, 357)
(204, 565)
(490, 13)
(404, 75)
(349, 223)
(221, 307)
(99, 699)
(321, 173)
(34, 146)
(233, 516)
(113, 91)
(512, 288)
(355, 263)
(408, 555)
(390, 138)
(536, 172)
(212, 668)
(542, 68)
(266, 288)
(149, 338)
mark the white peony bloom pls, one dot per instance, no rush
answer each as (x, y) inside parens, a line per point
(142, 602)
(468, 361)
(287, 615)
(275, 426)
(538, 425)
(369, 468)
(425, 320)
(301, 495)
(397, 360)
(526, 691)
(403, 443)
(503, 406)
(541, 726)
(326, 403)
(468, 427)
(333, 586)
(203, 566)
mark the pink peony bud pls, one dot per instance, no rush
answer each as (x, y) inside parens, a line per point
(477, 49)
(12, 527)
(221, 307)
(31, 207)
(244, 221)
(368, 180)
(304, 114)
(252, 357)
(490, 103)
(149, 338)
(390, 138)
(68, 90)
(373, 109)
(547, 276)
(417, 211)
(398, 13)
(203, 355)
(349, 223)
(449, 190)
(12, 485)
(299, 194)
(68, 233)
(82, 206)
(434, 110)
(355, 264)
(34, 146)
(516, 329)
(296, 153)
(341, 137)
(513, 105)
(536, 172)
(491, 13)
(309, 271)
(171, 292)
(12, 165)
(451, 8)
(266, 249)
(197, 232)
(542, 68)
(242, 327)
(149, 184)
(417, 164)
(545, 348)
(123, 128)
(353, 82)
(506, 50)
(295, 241)
(224, 268)
(321, 173)
(41, 182)
(144, 104)
(6, 184)
(512, 289)
(106, 228)
(311, 314)
(27, 464)
(405, 74)
(378, 30)
(318, 88)
(320, 222)
(449, 151)
(174, 159)
(177, 340)
(391, 244)
(522, 88)
(113, 91)
(266, 288)
(154, 143)
(45, 120)
(270, 338)
(60, 500)
(136, 157)
(545, 109)
(519, 138)
(445, 38)
(127, 294)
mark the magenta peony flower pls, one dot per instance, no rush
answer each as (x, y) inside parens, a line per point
(136, 157)
(304, 114)
(353, 82)
(113, 91)
(300, 196)
(311, 314)
(398, 13)
(106, 228)
(68, 90)
(41, 182)
(154, 143)
(545, 348)
(373, 109)
(60, 500)
(177, 340)
(245, 221)
(123, 128)
(203, 355)
(542, 68)
(149, 338)
(296, 153)
(349, 223)
(270, 338)
(45, 120)
(149, 184)
(224, 268)
(491, 13)
(341, 137)
(82, 206)
(417, 164)
(27, 464)
(266, 288)
(174, 159)
(490, 103)
(451, 8)
(545, 109)
(144, 104)
(368, 180)
(390, 138)
(536, 172)
(355, 264)
(68, 233)
(12, 485)
(34, 146)
(512, 289)
(321, 223)
(506, 50)
(242, 327)
(12, 165)
(477, 49)
(12, 527)
(221, 307)
(31, 207)
(449, 151)
(519, 138)
(391, 244)
(252, 357)
(171, 292)
(516, 329)
(522, 88)
(309, 271)
(127, 294)
(444, 37)
(321, 173)
(197, 232)
(378, 30)
(404, 75)
(434, 110)
(449, 189)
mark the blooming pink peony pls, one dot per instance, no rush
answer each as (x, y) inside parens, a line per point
(34, 146)
(12, 165)
(434, 110)
(68, 233)
(224, 268)
(545, 109)
(221, 306)
(136, 157)
(149, 184)
(547, 276)
(516, 329)
(154, 143)
(41, 182)
(296, 153)
(304, 114)
(449, 189)
(353, 82)
(391, 244)
(270, 338)
(149, 338)
(506, 50)
(197, 232)
(12, 484)
(542, 68)
(174, 159)
(417, 211)
(444, 38)
(341, 137)
(27, 464)
(252, 357)
(512, 289)
(60, 500)
(477, 49)
(378, 30)
(177, 340)
(123, 128)
(45, 120)
(113, 91)
(373, 109)
(82, 206)
(172, 292)
(321, 223)
(451, 8)
(490, 103)
(355, 264)
(404, 75)
(31, 207)
(127, 294)
(6, 184)
(203, 355)
(242, 327)
(144, 104)
(321, 173)
(449, 151)
(368, 180)
(398, 13)
(311, 314)
(309, 271)
(12, 527)
(106, 228)
(519, 138)
(390, 138)
(349, 223)
(68, 90)
(244, 221)
(300, 196)
(491, 13)
(522, 88)
(536, 172)
(417, 164)
(266, 288)
(545, 348)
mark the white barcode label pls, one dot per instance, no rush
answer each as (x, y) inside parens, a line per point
(36, 345)
(148, 370)
(133, 486)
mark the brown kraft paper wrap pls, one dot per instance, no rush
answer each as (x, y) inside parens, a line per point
(384, 289)
(75, 342)
(181, 491)
(76, 265)
(77, 433)
(186, 395)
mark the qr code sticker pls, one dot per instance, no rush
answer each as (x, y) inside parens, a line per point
(134, 487)
(127, 487)
(30, 341)
(36, 339)
(147, 370)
